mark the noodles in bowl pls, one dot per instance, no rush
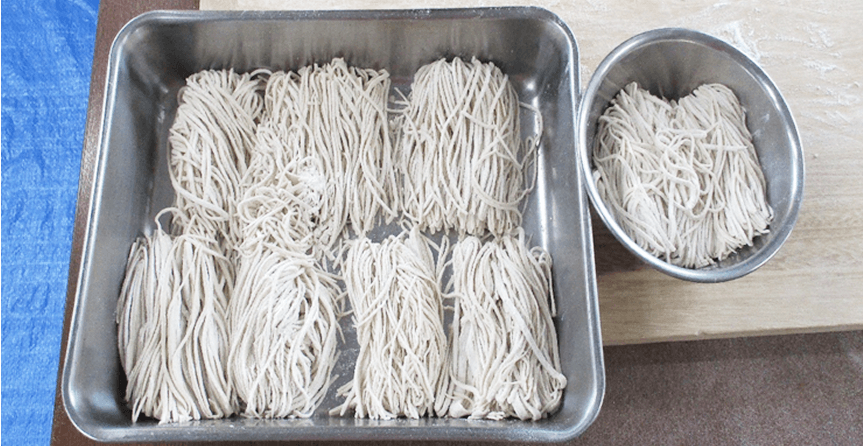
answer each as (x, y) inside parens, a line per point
(682, 177)
(705, 203)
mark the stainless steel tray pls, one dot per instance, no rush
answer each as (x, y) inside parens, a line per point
(149, 61)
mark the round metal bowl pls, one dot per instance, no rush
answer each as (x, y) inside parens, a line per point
(670, 63)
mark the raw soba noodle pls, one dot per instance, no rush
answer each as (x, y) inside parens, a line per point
(682, 179)
(211, 141)
(462, 158)
(234, 312)
(284, 325)
(171, 313)
(503, 345)
(336, 116)
(280, 211)
(172, 329)
(398, 314)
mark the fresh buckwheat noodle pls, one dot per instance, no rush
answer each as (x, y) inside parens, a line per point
(398, 314)
(681, 178)
(281, 208)
(461, 155)
(211, 139)
(336, 115)
(283, 320)
(503, 345)
(236, 310)
(172, 329)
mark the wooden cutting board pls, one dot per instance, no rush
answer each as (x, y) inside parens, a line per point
(813, 51)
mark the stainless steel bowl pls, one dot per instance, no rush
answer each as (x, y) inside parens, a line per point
(671, 63)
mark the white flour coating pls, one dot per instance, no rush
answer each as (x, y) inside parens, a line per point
(819, 36)
(821, 67)
(743, 40)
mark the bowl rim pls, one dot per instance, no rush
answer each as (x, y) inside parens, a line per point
(710, 274)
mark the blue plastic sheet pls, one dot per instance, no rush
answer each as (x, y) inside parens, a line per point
(47, 54)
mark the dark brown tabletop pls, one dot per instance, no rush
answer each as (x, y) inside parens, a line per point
(791, 389)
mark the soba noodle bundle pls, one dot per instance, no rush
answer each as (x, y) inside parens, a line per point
(284, 324)
(334, 115)
(211, 139)
(461, 154)
(503, 345)
(172, 331)
(398, 314)
(682, 179)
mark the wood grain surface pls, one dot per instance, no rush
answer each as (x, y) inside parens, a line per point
(813, 52)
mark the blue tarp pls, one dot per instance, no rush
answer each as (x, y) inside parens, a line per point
(47, 54)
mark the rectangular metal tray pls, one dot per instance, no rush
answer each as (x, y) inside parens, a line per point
(150, 59)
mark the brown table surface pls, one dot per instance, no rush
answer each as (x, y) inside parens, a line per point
(790, 389)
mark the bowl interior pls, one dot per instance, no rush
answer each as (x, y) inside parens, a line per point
(670, 63)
